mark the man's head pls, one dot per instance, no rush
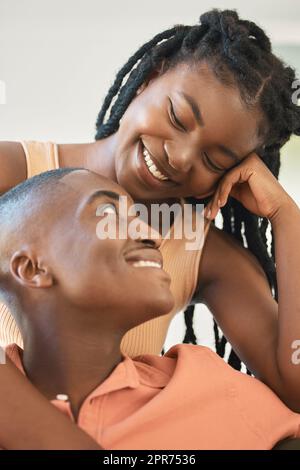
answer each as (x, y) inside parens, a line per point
(56, 271)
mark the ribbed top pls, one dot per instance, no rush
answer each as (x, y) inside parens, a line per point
(181, 264)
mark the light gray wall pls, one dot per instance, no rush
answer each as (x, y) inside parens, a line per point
(58, 57)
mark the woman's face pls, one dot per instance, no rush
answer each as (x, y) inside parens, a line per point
(181, 133)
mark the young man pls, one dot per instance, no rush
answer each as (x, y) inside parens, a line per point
(75, 295)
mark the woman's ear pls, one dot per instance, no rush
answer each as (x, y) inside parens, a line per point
(28, 271)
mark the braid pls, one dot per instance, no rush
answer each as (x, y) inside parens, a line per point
(114, 89)
(190, 336)
(152, 56)
(240, 55)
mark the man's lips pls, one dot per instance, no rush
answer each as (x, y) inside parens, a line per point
(150, 254)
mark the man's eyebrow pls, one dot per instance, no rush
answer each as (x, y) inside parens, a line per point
(230, 154)
(194, 107)
(102, 193)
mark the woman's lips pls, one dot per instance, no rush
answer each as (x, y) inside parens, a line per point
(144, 173)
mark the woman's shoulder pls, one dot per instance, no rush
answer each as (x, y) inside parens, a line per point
(40, 156)
(224, 255)
(24, 159)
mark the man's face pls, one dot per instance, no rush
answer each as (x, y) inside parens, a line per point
(105, 277)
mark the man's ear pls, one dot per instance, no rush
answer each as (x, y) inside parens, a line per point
(28, 271)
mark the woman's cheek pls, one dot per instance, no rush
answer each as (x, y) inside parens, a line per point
(204, 181)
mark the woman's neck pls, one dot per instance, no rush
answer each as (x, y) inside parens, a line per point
(99, 157)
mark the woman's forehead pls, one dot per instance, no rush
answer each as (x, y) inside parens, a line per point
(225, 115)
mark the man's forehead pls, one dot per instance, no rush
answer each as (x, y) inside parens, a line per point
(84, 181)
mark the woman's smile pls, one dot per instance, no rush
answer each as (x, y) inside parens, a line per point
(148, 171)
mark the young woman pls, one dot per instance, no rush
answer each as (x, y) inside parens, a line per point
(203, 111)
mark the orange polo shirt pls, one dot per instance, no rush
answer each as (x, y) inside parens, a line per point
(187, 399)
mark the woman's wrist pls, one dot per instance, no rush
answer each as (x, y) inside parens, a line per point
(286, 209)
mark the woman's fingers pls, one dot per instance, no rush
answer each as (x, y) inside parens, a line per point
(224, 192)
(213, 207)
(253, 185)
(219, 200)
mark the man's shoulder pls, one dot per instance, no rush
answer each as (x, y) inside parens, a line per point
(181, 356)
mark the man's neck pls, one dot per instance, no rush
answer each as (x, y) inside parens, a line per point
(70, 363)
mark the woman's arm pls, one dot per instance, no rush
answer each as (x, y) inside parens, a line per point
(12, 165)
(235, 288)
(29, 421)
(286, 228)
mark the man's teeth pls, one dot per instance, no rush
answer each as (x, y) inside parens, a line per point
(143, 264)
(152, 167)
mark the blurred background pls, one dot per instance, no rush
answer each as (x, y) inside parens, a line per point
(58, 59)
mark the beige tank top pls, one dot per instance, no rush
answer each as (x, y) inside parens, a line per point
(181, 264)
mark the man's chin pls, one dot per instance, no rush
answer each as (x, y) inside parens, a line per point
(163, 306)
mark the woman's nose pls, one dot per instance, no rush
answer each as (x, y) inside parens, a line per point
(180, 158)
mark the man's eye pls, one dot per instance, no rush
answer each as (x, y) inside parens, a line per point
(106, 209)
(212, 165)
(174, 119)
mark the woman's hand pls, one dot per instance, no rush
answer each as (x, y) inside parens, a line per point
(253, 185)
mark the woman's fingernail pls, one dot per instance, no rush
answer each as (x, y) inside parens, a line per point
(219, 203)
(208, 213)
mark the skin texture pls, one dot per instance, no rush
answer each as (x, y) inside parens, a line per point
(239, 298)
(72, 329)
(38, 425)
(72, 295)
(178, 152)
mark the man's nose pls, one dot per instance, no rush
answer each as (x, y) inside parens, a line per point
(147, 235)
(180, 158)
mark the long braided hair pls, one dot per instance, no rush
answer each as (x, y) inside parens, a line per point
(240, 54)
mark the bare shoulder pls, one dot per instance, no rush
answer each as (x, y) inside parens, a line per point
(12, 164)
(223, 256)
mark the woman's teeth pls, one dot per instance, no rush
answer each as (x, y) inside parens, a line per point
(143, 264)
(152, 167)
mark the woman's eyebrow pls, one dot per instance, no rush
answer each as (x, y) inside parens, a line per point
(194, 107)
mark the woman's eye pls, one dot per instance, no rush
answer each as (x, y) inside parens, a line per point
(212, 166)
(174, 119)
(106, 209)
